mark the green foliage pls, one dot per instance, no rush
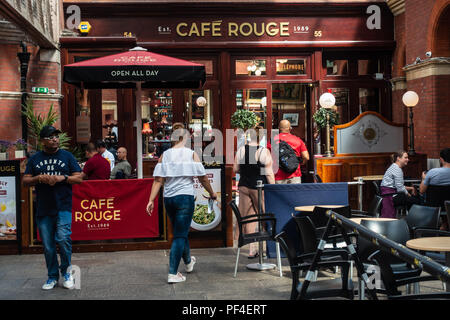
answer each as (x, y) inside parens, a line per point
(320, 117)
(37, 121)
(244, 119)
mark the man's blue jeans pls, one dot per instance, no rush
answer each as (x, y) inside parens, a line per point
(56, 230)
(180, 210)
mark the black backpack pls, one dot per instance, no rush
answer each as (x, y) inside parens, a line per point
(288, 160)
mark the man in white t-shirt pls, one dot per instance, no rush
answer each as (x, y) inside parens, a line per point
(100, 145)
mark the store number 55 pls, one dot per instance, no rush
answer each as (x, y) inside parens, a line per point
(318, 33)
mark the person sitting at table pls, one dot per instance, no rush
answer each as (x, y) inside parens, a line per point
(253, 163)
(393, 184)
(438, 177)
(122, 169)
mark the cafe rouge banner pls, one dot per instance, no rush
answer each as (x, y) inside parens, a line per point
(364, 27)
(113, 209)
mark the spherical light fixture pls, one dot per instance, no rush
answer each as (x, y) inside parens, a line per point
(327, 100)
(410, 99)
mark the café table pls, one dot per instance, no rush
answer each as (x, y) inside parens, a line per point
(437, 244)
(361, 180)
(310, 208)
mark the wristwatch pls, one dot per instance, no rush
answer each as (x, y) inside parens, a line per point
(66, 177)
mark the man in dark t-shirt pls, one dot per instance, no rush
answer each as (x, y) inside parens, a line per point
(52, 172)
(97, 167)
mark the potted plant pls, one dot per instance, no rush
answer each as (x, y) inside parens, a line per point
(244, 119)
(36, 122)
(21, 147)
(320, 118)
(4, 146)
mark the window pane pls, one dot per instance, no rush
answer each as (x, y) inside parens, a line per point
(368, 67)
(251, 67)
(342, 96)
(369, 99)
(254, 100)
(337, 67)
(290, 66)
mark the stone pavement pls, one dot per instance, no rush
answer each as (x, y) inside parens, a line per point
(139, 275)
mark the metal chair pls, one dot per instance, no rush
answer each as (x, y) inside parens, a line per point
(340, 287)
(394, 272)
(261, 235)
(374, 209)
(422, 217)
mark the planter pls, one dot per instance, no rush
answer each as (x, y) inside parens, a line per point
(3, 156)
(19, 154)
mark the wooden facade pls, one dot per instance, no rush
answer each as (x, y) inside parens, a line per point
(317, 36)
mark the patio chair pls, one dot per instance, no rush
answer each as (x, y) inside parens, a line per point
(262, 235)
(373, 211)
(340, 287)
(394, 271)
(422, 217)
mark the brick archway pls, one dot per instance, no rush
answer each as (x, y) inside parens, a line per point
(439, 29)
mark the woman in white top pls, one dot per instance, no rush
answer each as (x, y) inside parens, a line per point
(176, 170)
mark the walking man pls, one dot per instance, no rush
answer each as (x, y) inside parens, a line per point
(297, 144)
(53, 171)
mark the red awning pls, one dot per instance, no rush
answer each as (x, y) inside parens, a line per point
(124, 69)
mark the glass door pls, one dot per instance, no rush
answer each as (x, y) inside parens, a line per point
(289, 101)
(254, 100)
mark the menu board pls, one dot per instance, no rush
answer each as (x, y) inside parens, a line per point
(9, 200)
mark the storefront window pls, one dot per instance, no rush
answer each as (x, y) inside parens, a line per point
(254, 100)
(289, 103)
(369, 99)
(368, 67)
(337, 67)
(199, 107)
(342, 96)
(290, 66)
(251, 67)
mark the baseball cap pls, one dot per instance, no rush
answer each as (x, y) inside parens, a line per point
(48, 131)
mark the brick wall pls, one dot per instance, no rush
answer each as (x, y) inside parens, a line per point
(431, 115)
(40, 74)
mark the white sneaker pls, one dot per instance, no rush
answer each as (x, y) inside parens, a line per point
(174, 278)
(50, 284)
(190, 265)
(68, 281)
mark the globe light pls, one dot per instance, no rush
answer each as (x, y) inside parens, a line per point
(410, 99)
(327, 100)
(258, 72)
(201, 101)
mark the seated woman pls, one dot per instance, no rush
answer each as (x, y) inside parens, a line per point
(393, 184)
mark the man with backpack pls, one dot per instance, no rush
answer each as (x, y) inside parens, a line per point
(292, 153)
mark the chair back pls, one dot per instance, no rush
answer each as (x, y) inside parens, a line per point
(374, 209)
(376, 185)
(435, 196)
(307, 233)
(319, 216)
(423, 217)
(395, 230)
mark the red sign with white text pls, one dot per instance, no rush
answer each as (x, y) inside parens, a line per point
(113, 209)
